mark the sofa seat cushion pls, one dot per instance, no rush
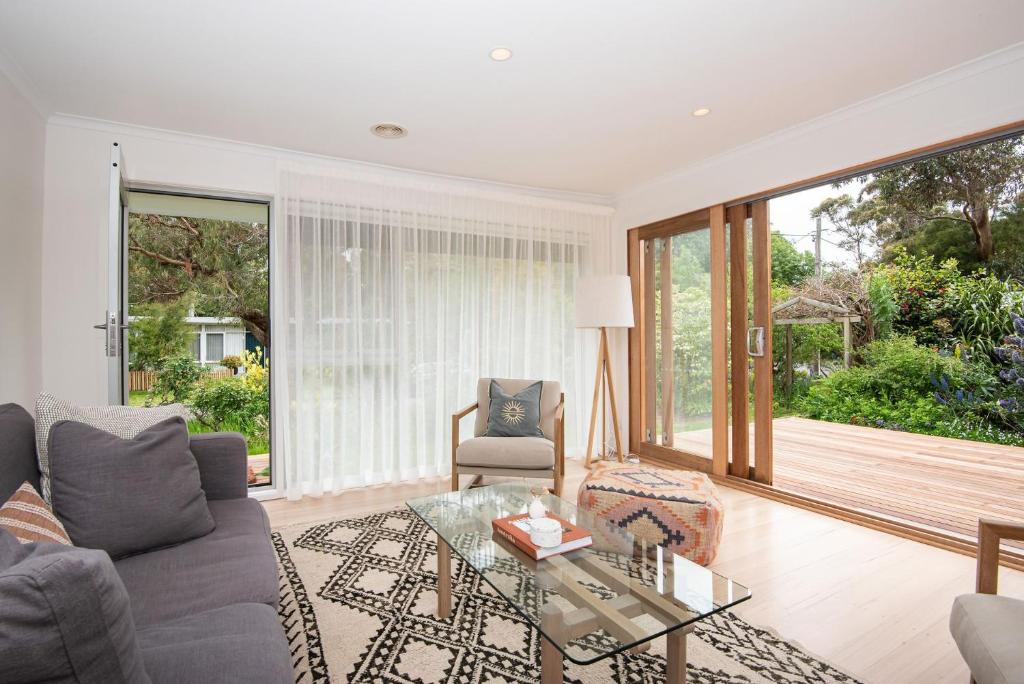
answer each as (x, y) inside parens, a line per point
(233, 564)
(241, 643)
(526, 453)
(987, 630)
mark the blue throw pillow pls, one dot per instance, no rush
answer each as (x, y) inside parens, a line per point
(514, 416)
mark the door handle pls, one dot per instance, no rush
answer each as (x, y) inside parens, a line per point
(112, 337)
(758, 341)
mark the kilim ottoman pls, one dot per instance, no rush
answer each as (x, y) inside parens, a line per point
(677, 509)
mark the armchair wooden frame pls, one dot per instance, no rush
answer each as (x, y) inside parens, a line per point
(556, 473)
(990, 534)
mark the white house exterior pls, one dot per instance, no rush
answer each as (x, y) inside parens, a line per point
(214, 338)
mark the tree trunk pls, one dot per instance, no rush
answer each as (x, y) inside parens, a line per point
(981, 225)
(256, 323)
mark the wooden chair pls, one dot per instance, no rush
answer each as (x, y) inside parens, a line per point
(989, 629)
(529, 457)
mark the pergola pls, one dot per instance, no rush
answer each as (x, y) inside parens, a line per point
(807, 311)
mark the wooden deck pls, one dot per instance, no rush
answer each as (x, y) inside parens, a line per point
(934, 483)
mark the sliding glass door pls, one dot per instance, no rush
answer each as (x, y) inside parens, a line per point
(700, 355)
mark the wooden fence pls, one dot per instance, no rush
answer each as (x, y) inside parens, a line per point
(141, 381)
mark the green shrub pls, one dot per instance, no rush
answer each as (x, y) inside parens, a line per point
(228, 403)
(942, 307)
(232, 362)
(239, 403)
(894, 385)
(883, 305)
(176, 377)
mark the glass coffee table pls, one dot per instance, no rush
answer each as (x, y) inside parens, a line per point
(590, 604)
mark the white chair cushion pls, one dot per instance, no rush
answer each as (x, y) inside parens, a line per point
(525, 453)
(989, 631)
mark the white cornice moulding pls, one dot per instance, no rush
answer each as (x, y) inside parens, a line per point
(960, 72)
(24, 85)
(289, 157)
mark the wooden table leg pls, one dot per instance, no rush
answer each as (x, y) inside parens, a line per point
(675, 656)
(444, 578)
(550, 663)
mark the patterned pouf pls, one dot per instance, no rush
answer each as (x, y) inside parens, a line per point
(677, 509)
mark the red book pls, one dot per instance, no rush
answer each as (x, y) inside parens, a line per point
(515, 530)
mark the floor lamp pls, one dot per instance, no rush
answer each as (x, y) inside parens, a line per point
(604, 302)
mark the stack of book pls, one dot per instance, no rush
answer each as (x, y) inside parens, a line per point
(515, 529)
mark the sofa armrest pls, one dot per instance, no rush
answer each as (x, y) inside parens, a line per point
(223, 460)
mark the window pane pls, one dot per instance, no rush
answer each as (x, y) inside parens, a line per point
(214, 346)
(193, 347)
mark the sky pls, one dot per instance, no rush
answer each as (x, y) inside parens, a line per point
(791, 216)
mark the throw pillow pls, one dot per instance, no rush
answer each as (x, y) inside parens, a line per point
(66, 617)
(123, 421)
(514, 416)
(29, 519)
(126, 496)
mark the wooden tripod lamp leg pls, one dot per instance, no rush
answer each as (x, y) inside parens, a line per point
(598, 378)
(611, 396)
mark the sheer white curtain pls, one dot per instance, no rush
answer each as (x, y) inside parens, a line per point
(391, 299)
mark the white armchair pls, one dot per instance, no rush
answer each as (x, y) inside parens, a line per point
(530, 457)
(989, 629)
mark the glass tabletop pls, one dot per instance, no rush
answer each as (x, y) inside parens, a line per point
(614, 595)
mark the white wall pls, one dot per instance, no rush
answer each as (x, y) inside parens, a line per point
(966, 99)
(22, 141)
(75, 226)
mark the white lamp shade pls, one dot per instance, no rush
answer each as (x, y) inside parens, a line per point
(604, 302)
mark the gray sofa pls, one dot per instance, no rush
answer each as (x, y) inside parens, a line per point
(204, 610)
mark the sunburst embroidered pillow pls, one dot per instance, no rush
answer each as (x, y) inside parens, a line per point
(29, 519)
(515, 415)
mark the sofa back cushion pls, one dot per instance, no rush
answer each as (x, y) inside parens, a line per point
(127, 496)
(123, 421)
(66, 617)
(17, 450)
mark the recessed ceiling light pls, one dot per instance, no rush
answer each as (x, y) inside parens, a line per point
(500, 54)
(701, 111)
(389, 130)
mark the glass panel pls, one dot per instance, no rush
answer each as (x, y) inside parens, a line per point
(193, 347)
(679, 408)
(214, 347)
(638, 591)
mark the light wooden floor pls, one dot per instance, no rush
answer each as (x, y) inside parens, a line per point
(933, 482)
(874, 604)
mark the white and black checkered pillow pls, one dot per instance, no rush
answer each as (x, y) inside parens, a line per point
(123, 421)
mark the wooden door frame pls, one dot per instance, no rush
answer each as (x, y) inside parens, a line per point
(641, 339)
(729, 323)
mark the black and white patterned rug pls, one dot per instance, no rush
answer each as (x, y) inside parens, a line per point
(357, 604)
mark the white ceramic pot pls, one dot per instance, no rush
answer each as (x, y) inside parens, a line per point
(545, 532)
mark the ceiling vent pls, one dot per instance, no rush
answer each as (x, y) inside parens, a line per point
(389, 130)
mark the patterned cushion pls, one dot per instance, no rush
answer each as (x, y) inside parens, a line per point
(125, 422)
(29, 519)
(677, 509)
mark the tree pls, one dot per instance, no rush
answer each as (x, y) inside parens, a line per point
(158, 331)
(224, 263)
(968, 186)
(854, 221)
(789, 266)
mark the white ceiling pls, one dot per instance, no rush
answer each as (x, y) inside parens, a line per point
(596, 98)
